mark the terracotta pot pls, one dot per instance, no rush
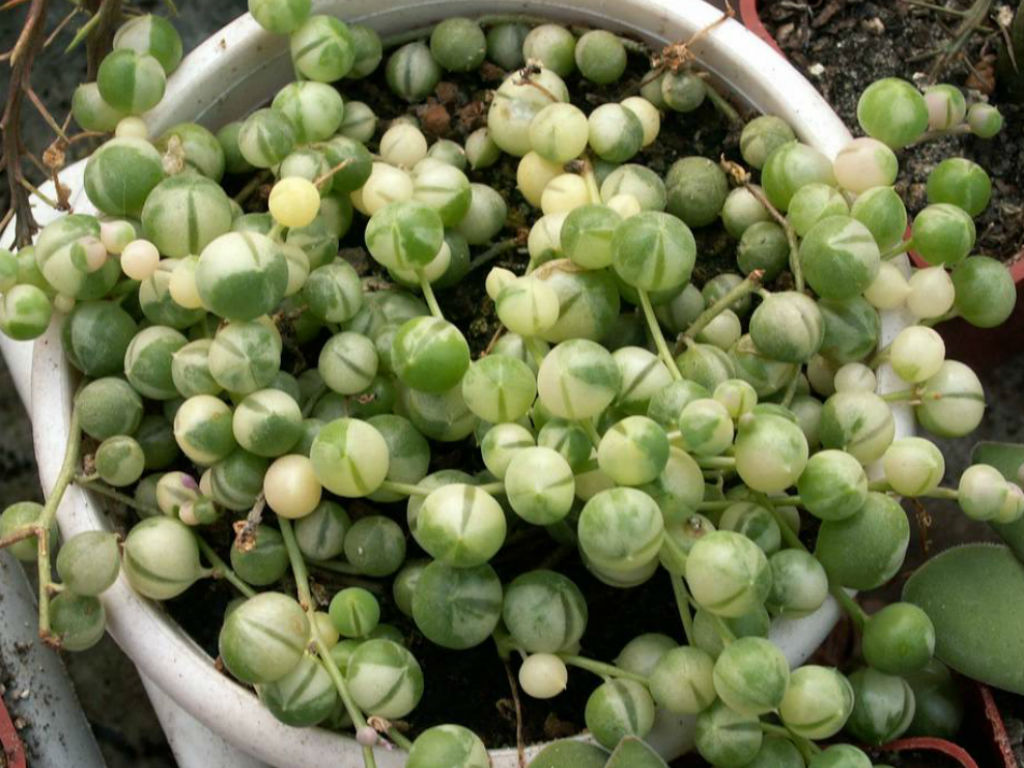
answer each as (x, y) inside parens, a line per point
(10, 742)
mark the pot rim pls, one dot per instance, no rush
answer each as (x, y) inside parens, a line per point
(214, 83)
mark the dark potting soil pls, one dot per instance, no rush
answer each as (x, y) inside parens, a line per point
(842, 46)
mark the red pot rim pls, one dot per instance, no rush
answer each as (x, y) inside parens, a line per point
(14, 750)
(752, 21)
(995, 720)
(930, 744)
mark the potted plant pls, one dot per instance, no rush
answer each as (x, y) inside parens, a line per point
(636, 478)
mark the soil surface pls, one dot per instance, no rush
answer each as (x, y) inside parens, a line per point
(842, 46)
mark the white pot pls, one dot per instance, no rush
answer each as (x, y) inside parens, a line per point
(234, 71)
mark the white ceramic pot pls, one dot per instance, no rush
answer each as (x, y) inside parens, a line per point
(236, 70)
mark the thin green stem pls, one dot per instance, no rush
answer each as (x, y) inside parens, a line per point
(320, 391)
(253, 184)
(399, 739)
(720, 506)
(745, 288)
(406, 489)
(794, 381)
(601, 669)
(222, 570)
(777, 730)
(494, 488)
(902, 247)
(940, 133)
(722, 104)
(308, 605)
(428, 296)
(716, 462)
(593, 189)
(882, 486)
(782, 221)
(683, 604)
(536, 349)
(846, 602)
(714, 506)
(40, 194)
(492, 253)
(788, 534)
(806, 747)
(587, 425)
(46, 520)
(105, 490)
(83, 32)
(727, 635)
(880, 357)
(899, 395)
(336, 566)
(659, 338)
(942, 493)
(931, 322)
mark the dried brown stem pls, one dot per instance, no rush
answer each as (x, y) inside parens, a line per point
(22, 57)
(43, 111)
(974, 17)
(520, 743)
(245, 530)
(60, 27)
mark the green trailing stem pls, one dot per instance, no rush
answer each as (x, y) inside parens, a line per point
(683, 604)
(722, 104)
(588, 427)
(428, 296)
(492, 253)
(808, 749)
(846, 602)
(716, 462)
(46, 519)
(222, 570)
(601, 669)
(935, 493)
(659, 338)
(535, 347)
(398, 738)
(902, 247)
(406, 489)
(219, 570)
(309, 606)
(794, 381)
(899, 396)
(748, 286)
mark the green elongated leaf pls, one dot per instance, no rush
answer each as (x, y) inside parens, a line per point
(1008, 459)
(974, 595)
(634, 753)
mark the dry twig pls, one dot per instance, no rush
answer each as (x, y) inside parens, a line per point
(22, 56)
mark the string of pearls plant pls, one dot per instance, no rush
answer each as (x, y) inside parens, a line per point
(237, 373)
